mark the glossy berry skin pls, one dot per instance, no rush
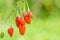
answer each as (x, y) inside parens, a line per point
(27, 19)
(30, 14)
(22, 29)
(10, 31)
(22, 21)
(17, 21)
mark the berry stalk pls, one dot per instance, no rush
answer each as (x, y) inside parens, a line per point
(11, 13)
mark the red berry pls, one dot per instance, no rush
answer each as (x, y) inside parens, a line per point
(17, 21)
(30, 14)
(22, 21)
(10, 31)
(27, 19)
(22, 29)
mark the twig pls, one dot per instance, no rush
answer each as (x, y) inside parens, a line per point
(11, 13)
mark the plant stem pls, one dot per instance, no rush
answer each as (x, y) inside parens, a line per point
(24, 9)
(3, 21)
(27, 5)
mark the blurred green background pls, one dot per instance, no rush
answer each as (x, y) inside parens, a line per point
(45, 24)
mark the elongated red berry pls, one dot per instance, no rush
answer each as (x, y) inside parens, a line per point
(10, 31)
(22, 29)
(17, 21)
(30, 14)
(27, 19)
(22, 21)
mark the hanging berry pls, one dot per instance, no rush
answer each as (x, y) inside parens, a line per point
(17, 21)
(10, 31)
(22, 21)
(22, 29)
(30, 14)
(27, 19)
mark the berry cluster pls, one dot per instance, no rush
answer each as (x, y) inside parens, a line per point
(21, 21)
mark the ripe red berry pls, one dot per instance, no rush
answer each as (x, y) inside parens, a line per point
(22, 21)
(27, 19)
(22, 29)
(10, 31)
(17, 21)
(30, 14)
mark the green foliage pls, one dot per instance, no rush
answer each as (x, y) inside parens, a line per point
(2, 5)
(39, 29)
